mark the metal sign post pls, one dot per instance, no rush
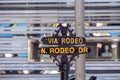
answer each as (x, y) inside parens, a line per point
(65, 41)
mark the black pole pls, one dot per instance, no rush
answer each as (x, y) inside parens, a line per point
(64, 67)
(64, 75)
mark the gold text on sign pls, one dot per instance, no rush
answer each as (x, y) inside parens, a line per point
(72, 40)
(52, 40)
(64, 50)
(63, 40)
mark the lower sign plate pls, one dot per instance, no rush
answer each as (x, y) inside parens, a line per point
(67, 50)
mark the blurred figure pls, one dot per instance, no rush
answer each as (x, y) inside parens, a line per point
(107, 53)
(93, 78)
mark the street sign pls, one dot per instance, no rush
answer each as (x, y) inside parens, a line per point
(63, 40)
(66, 50)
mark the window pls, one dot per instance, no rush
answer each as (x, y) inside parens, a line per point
(100, 50)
